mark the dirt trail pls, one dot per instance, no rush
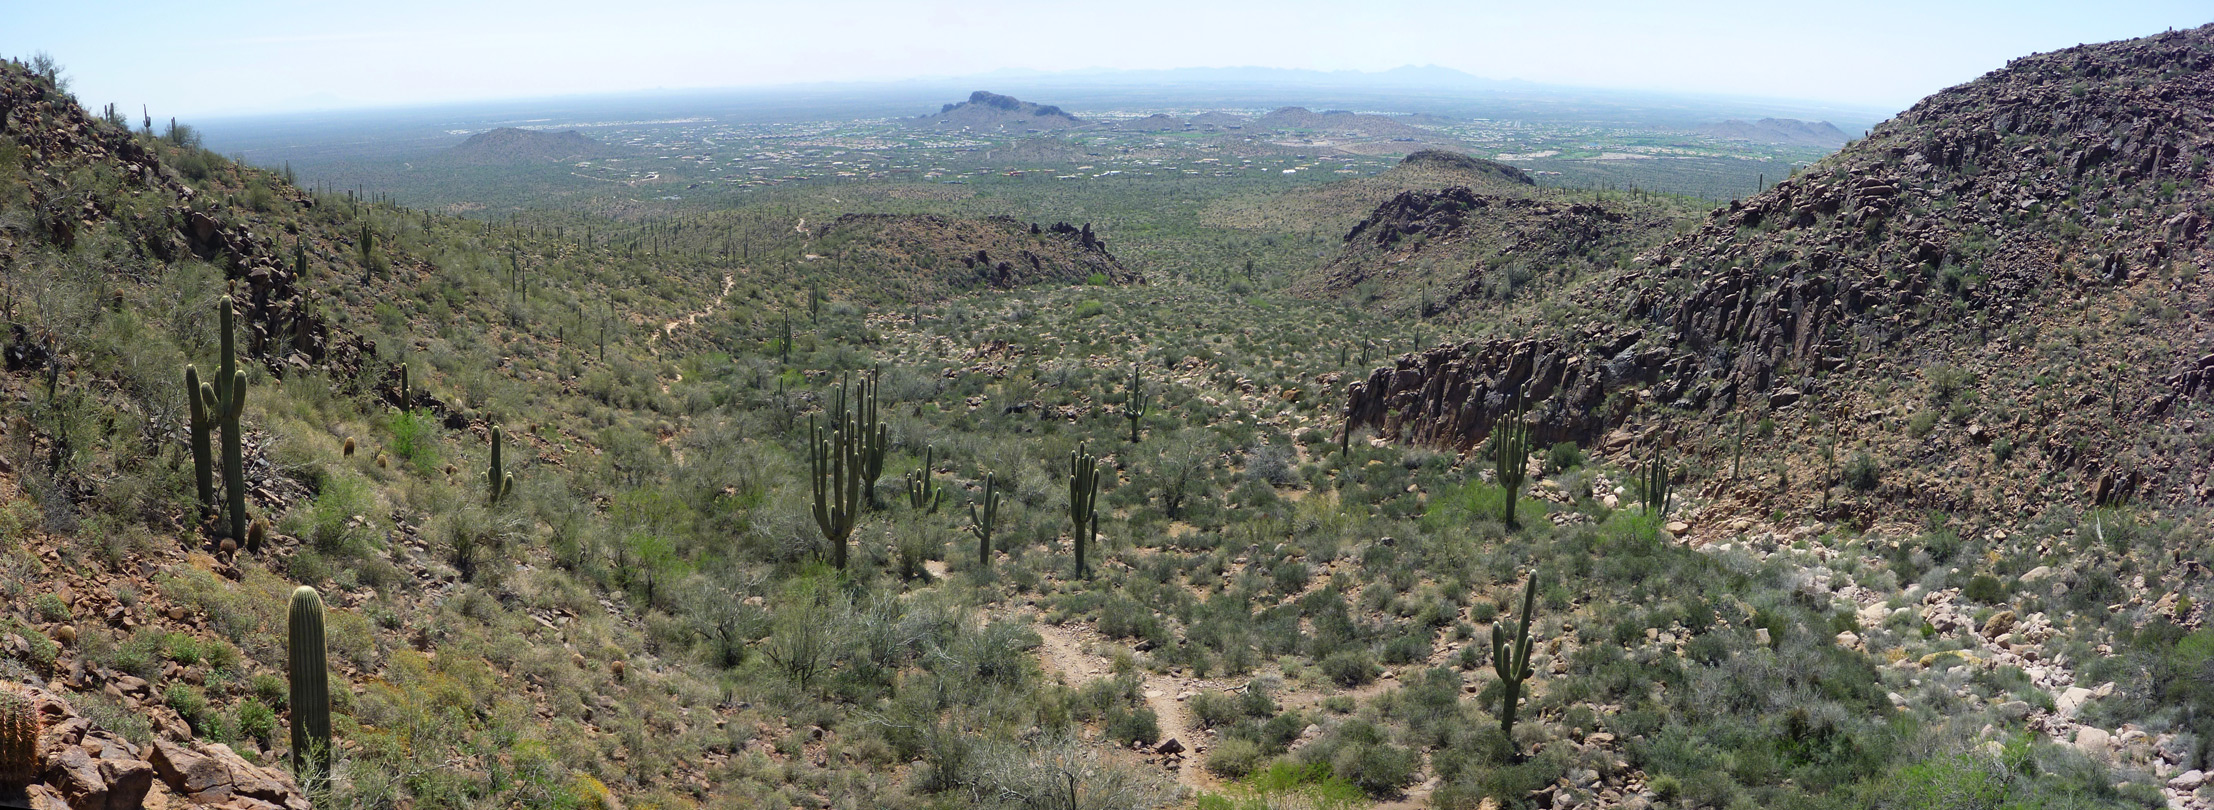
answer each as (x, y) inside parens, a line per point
(669, 329)
(1063, 655)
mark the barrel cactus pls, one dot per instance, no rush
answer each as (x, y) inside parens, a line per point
(19, 729)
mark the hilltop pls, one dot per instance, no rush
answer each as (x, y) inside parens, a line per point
(986, 110)
(508, 145)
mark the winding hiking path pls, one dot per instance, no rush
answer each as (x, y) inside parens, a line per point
(1063, 654)
(669, 329)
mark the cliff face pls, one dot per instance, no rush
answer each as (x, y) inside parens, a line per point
(2054, 196)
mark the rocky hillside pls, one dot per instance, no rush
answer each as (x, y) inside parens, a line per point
(508, 145)
(924, 256)
(2005, 279)
(1466, 234)
(992, 111)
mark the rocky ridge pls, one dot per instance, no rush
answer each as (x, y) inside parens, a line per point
(2052, 192)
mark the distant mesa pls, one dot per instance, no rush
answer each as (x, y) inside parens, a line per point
(1461, 168)
(987, 110)
(1778, 130)
(512, 145)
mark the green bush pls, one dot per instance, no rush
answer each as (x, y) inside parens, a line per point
(1129, 726)
(1984, 588)
(1861, 473)
(415, 440)
(1350, 668)
(1233, 758)
(1563, 457)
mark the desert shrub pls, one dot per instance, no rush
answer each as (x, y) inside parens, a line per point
(1350, 668)
(1564, 456)
(1233, 758)
(1861, 472)
(1985, 588)
(1127, 726)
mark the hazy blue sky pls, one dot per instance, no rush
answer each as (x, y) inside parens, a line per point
(212, 57)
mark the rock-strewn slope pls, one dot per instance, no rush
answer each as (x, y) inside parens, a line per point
(2037, 235)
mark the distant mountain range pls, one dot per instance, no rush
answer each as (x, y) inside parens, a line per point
(1779, 130)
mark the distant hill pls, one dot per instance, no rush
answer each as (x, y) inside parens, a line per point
(1778, 130)
(1219, 120)
(1157, 122)
(1443, 168)
(926, 255)
(1336, 121)
(987, 110)
(511, 145)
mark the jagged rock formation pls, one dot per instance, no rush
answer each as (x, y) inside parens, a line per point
(2043, 196)
(986, 110)
(1779, 130)
(927, 254)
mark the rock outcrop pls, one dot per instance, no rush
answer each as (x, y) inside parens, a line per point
(85, 767)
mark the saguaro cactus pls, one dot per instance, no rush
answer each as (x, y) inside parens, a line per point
(406, 395)
(203, 445)
(1653, 479)
(498, 481)
(1134, 402)
(923, 493)
(1083, 502)
(981, 522)
(837, 483)
(223, 402)
(311, 695)
(1510, 658)
(1510, 447)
